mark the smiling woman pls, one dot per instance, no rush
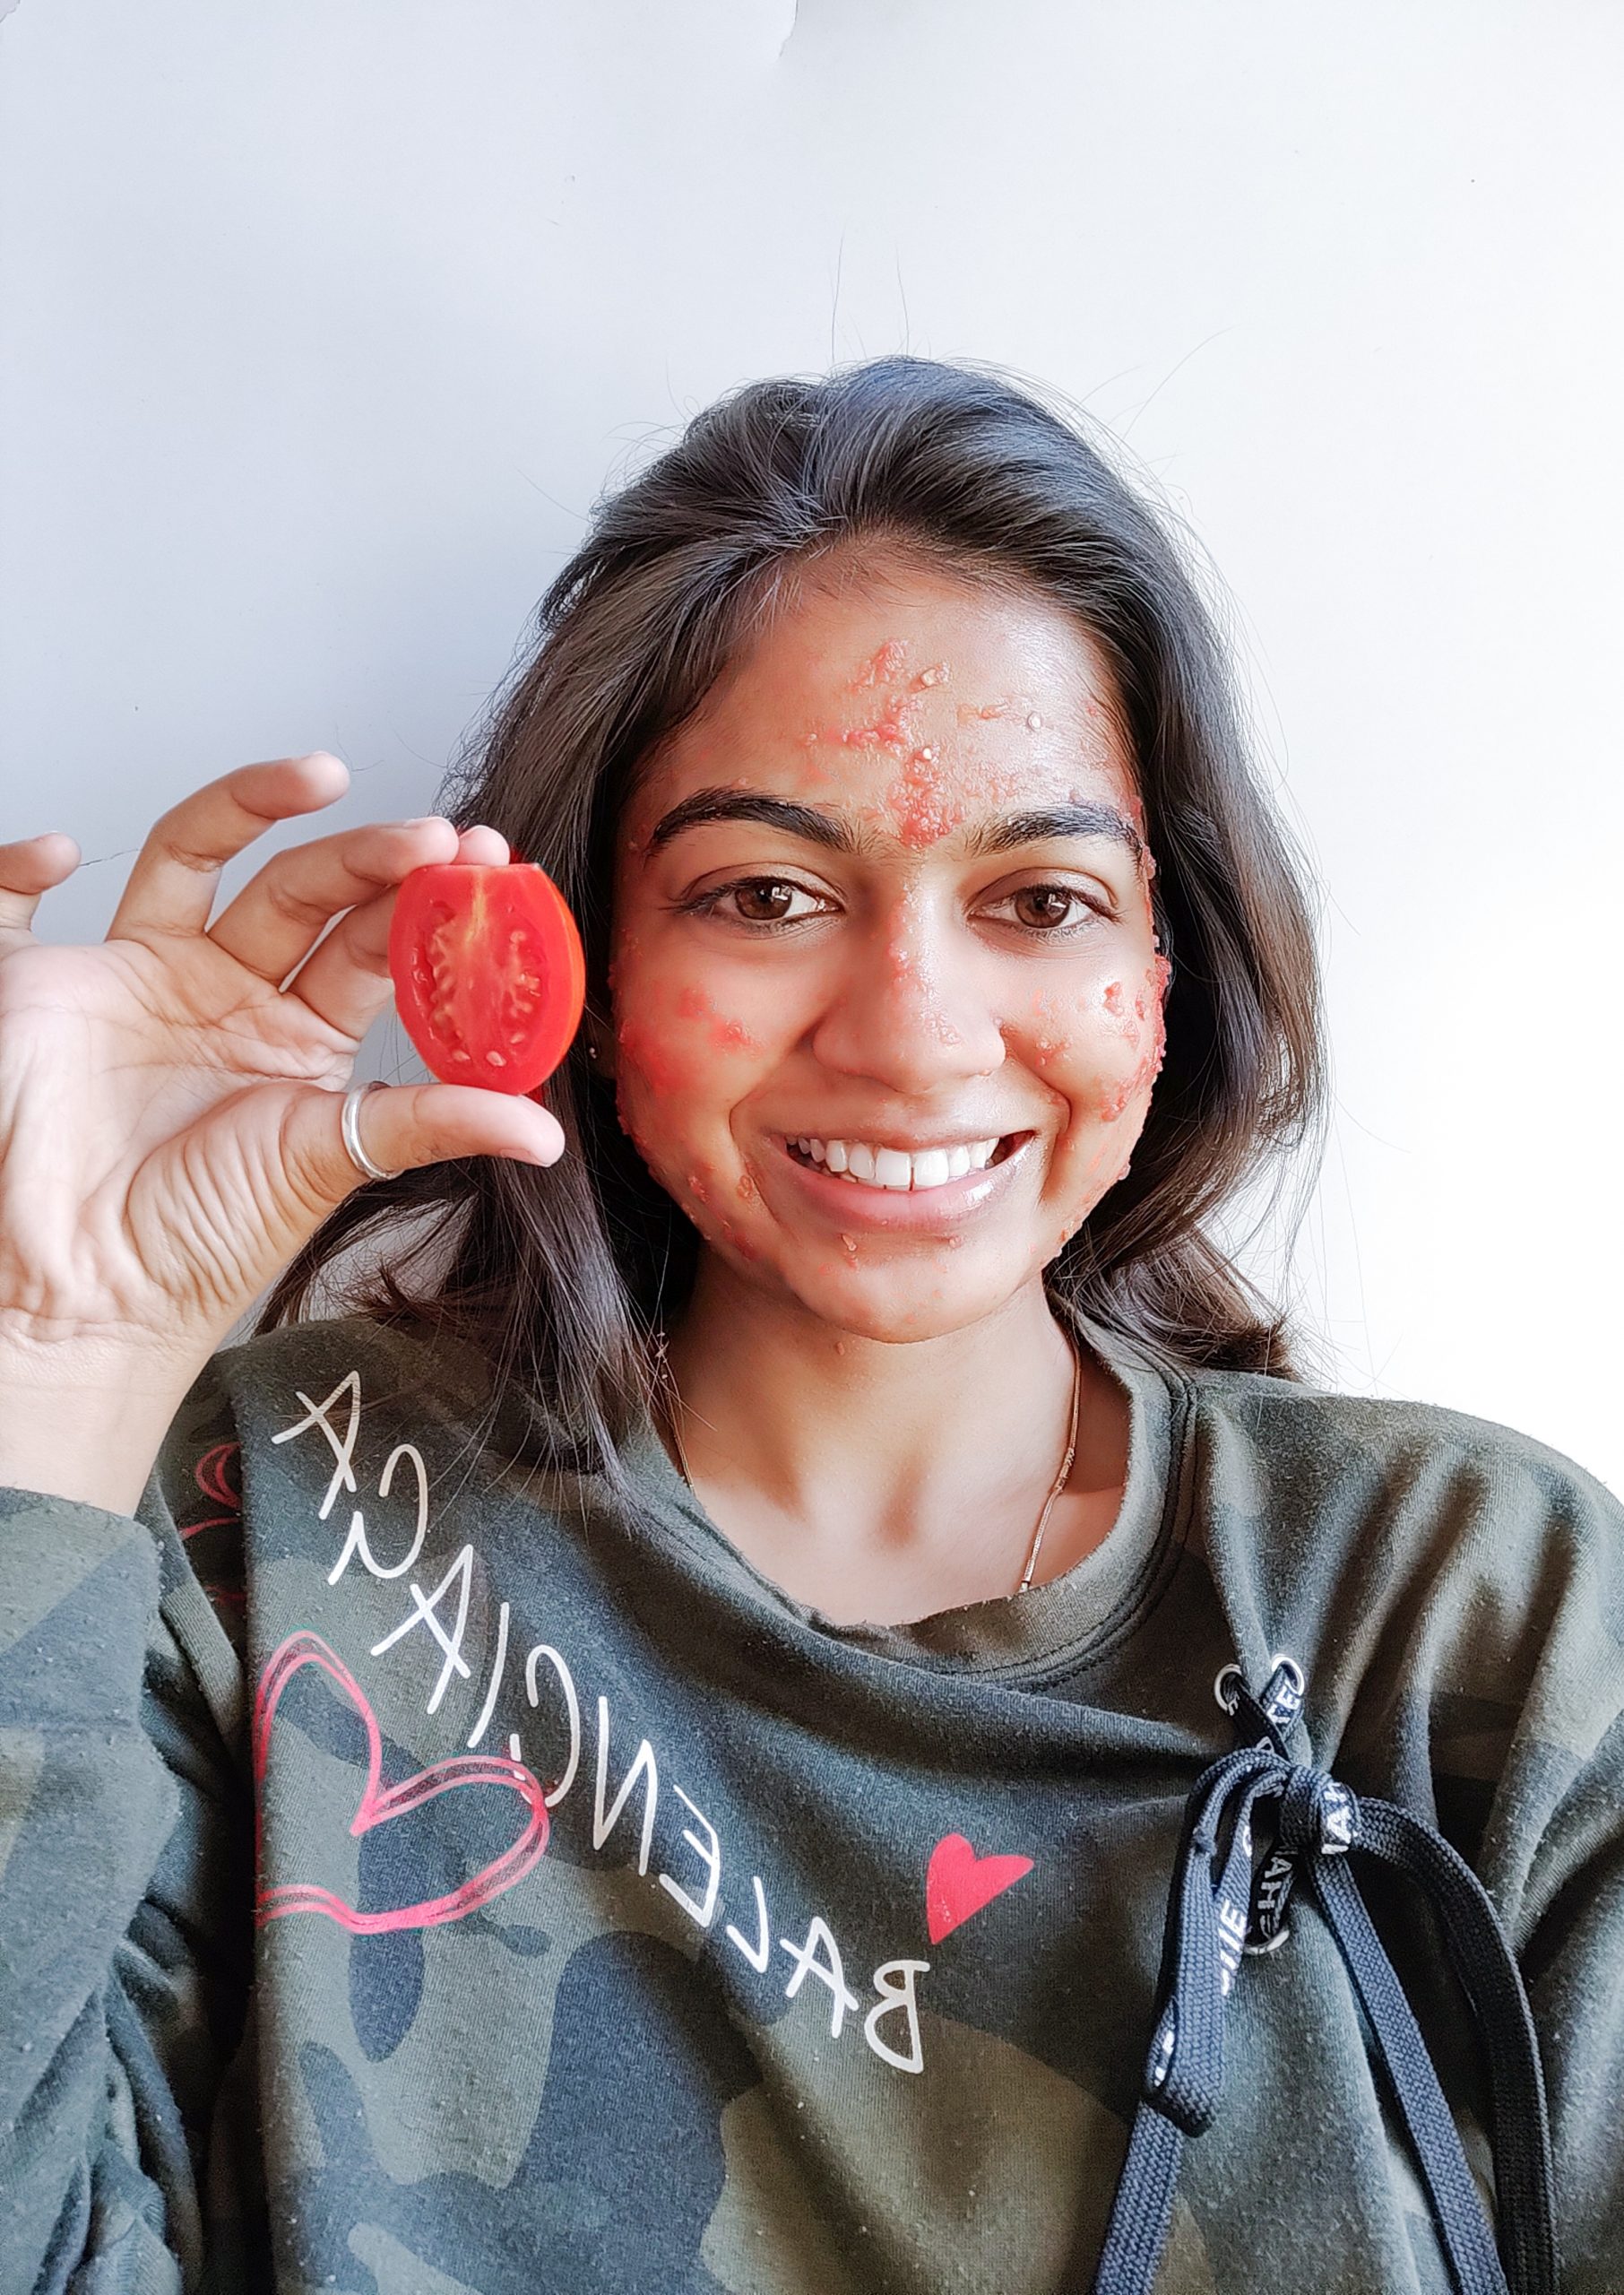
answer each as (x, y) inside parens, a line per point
(744, 1653)
(916, 606)
(976, 985)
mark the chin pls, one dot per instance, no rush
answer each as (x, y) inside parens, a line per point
(933, 1304)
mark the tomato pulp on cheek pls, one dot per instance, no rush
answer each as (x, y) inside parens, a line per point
(1112, 1082)
(686, 1051)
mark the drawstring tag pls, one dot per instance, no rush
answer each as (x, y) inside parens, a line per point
(1227, 1901)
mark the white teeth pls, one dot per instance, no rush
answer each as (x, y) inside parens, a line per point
(894, 1167)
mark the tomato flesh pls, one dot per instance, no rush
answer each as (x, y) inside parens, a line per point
(490, 977)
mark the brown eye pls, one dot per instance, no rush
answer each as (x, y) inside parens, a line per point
(764, 901)
(1042, 908)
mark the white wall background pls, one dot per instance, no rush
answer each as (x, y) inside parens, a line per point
(325, 320)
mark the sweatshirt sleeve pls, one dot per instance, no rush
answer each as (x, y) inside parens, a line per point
(1554, 1855)
(126, 1866)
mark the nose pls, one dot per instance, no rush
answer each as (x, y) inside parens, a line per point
(911, 1009)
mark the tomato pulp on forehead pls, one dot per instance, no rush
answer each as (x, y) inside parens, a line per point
(489, 978)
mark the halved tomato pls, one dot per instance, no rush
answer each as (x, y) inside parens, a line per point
(489, 978)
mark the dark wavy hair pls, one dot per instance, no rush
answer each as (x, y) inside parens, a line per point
(568, 1278)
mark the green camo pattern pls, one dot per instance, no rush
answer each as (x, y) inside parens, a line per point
(616, 1925)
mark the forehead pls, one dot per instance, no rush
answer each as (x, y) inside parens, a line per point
(862, 666)
(872, 623)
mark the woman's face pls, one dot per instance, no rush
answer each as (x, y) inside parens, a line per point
(887, 894)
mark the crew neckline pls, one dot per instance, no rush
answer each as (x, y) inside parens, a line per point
(1053, 1627)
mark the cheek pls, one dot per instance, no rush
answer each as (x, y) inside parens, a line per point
(647, 1058)
(677, 1041)
(1059, 1027)
(723, 1032)
(682, 1061)
(1134, 1010)
(1102, 1049)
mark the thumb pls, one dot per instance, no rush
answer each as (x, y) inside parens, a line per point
(401, 1126)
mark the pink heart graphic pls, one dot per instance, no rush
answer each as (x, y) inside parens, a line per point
(218, 1474)
(379, 1803)
(958, 1883)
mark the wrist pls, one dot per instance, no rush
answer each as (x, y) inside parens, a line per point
(82, 1420)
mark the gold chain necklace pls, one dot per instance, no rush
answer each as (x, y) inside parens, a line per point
(1055, 1488)
(1059, 1484)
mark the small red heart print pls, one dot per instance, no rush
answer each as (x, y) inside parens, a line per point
(379, 1803)
(958, 1883)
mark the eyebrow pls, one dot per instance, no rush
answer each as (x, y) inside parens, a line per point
(1036, 827)
(707, 805)
(1047, 821)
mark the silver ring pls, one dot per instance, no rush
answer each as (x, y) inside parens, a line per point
(350, 1131)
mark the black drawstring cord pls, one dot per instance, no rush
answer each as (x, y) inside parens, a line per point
(1220, 1908)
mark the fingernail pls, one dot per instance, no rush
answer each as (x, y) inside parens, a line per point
(425, 820)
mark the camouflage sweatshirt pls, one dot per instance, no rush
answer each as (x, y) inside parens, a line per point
(621, 1925)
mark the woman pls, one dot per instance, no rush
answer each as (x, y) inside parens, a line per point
(723, 1632)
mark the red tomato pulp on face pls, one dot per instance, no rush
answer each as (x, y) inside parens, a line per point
(489, 978)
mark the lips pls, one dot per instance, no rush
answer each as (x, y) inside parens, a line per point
(845, 1204)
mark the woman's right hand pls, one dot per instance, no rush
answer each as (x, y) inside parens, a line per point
(170, 1110)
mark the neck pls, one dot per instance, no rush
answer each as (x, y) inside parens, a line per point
(878, 1479)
